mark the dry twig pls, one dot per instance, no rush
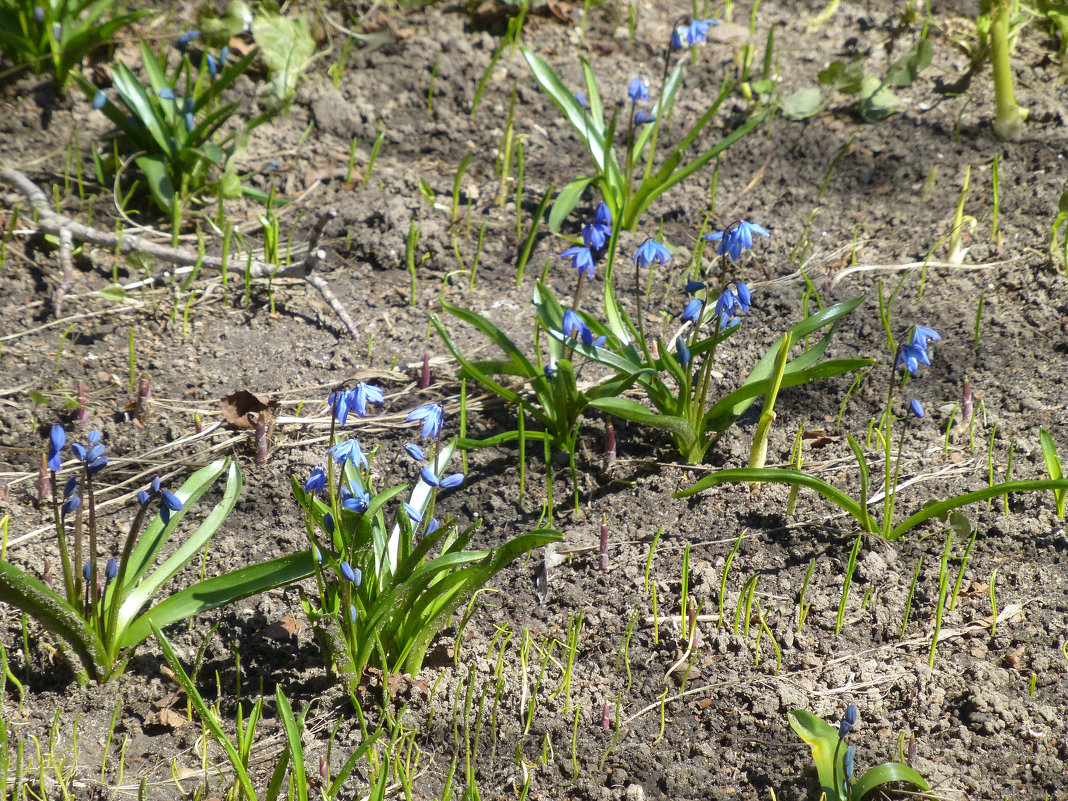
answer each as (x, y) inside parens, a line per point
(62, 226)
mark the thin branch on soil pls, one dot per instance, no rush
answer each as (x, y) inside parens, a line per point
(913, 265)
(56, 224)
(66, 247)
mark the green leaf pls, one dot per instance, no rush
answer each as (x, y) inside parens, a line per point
(114, 293)
(294, 745)
(632, 410)
(1053, 467)
(287, 46)
(566, 201)
(55, 615)
(905, 70)
(822, 739)
(802, 103)
(37, 397)
(885, 774)
(770, 475)
(206, 717)
(219, 591)
(159, 181)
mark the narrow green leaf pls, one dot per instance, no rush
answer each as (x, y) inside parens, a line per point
(886, 773)
(566, 201)
(294, 746)
(632, 410)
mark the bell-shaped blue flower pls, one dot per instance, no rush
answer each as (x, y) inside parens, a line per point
(742, 296)
(431, 414)
(57, 438)
(573, 324)
(413, 514)
(921, 335)
(316, 482)
(638, 91)
(363, 394)
(452, 481)
(651, 251)
(166, 93)
(916, 408)
(99, 100)
(692, 310)
(169, 502)
(693, 287)
(642, 117)
(347, 572)
(339, 403)
(594, 237)
(428, 477)
(580, 98)
(328, 523)
(910, 357)
(736, 238)
(415, 452)
(355, 501)
(188, 37)
(682, 350)
(349, 450)
(581, 259)
(213, 65)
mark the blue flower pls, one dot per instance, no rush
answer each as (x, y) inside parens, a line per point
(642, 117)
(92, 457)
(431, 415)
(316, 481)
(347, 572)
(357, 577)
(38, 14)
(349, 451)
(111, 569)
(328, 523)
(603, 216)
(339, 403)
(594, 237)
(429, 478)
(573, 324)
(693, 308)
(848, 761)
(168, 502)
(742, 296)
(99, 99)
(213, 65)
(190, 121)
(415, 452)
(921, 335)
(57, 438)
(361, 395)
(352, 613)
(916, 408)
(452, 481)
(187, 37)
(910, 357)
(413, 514)
(736, 238)
(71, 504)
(651, 251)
(355, 502)
(682, 350)
(166, 93)
(581, 259)
(580, 98)
(693, 287)
(638, 91)
(849, 720)
(589, 340)
(694, 33)
(224, 55)
(432, 526)
(85, 574)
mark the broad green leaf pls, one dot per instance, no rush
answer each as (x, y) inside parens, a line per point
(632, 410)
(822, 739)
(566, 201)
(884, 774)
(287, 46)
(802, 103)
(219, 591)
(114, 293)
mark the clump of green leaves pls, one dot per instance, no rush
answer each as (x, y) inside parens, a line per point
(100, 615)
(835, 761)
(172, 127)
(875, 97)
(56, 35)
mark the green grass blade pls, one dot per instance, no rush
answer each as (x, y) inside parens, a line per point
(206, 717)
(632, 410)
(1053, 467)
(294, 746)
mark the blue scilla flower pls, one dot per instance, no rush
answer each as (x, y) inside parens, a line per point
(573, 324)
(580, 98)
(415, 452)
(849, 720)
(166, 93)
(692, 310)
(642, 117)
(682, 350)
(921, 335)
(742, 296)
(638, 91)
(316, 554)
(431, 415)
(726, 304)
(693, 34)
(99, 100)
(581, 259)
(651, 251)
(352, 613)
(413, 514)
(347, 572)
(432, 526)
(316, 482)
(339, 404)
(603, 216)
(452, 481)
(111, 569)
(38, 14)
(693, 287)
(428, 477)
(86, 572)
(57, 438)
(916, 408)
(224, 56)
(594, 237)
(188, 37)
(168, 502)
(93, 456)
(190, 121)
(848, 762)
(910, 357)
(736, 238)
(349, 450)
(355, 501)
(71, 504)
(363, 394)
(213, 65)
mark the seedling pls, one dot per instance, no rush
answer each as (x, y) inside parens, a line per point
(851, 566)
(802, 607)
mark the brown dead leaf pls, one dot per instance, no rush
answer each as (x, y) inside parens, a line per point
(241, 408)
(286, 630)
(813, 433)
(1013, 660)
(166, 719)
(562, 11)
(882, 189)
(166, 701)
(821, 442)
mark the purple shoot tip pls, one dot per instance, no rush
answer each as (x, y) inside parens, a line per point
(604, 545)
(424, 378)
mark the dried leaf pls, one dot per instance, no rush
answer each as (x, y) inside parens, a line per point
(241, 409)
(286, 630)
(166, 719)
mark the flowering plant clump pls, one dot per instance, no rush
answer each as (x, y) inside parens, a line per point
(626, 186)
(101, 615)
(388, 581)
(835, 762)
(171, 125)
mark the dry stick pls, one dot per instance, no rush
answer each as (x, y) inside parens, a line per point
(53, 223)
(66, 246)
